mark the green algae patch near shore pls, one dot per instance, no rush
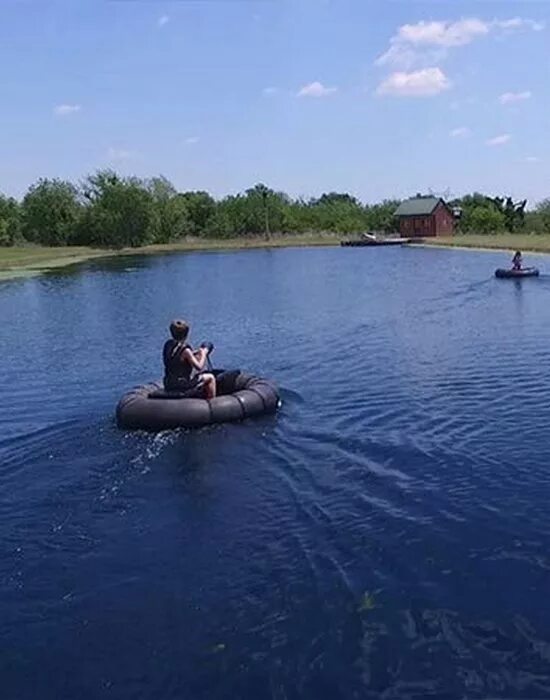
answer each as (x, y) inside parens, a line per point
(26, 261)
(32, 260)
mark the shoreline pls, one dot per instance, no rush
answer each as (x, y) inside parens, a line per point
(479, 249)
(30, 261)
(538, 244)
(22, 262)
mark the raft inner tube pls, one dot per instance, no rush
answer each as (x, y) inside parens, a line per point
(240, 395)
(517, 274)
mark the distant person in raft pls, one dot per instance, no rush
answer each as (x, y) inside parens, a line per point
(183, 366)
(517, 261)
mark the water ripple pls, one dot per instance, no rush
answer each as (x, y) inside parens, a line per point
(385, 535)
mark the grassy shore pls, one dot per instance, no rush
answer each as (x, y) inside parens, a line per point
(23, 261)
(499, 241)
(31, 260)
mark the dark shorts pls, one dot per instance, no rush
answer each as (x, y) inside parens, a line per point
(193, 389)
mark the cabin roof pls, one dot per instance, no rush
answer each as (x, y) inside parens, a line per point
(418, 206)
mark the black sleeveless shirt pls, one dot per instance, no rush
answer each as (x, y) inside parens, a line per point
(177, 370)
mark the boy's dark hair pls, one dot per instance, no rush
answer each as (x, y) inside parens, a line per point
(179, 329)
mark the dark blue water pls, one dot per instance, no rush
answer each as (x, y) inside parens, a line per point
(387, 534)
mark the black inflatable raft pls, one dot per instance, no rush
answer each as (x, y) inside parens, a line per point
(517, 274)
(240, 395)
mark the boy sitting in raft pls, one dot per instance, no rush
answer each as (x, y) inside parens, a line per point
(183, 366)
(517, 261)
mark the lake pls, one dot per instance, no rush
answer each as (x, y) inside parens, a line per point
(387, 533)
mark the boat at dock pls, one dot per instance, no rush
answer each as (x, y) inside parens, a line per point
(373, 240)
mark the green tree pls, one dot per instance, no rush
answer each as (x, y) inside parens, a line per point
(50, 212)
(534, 223)
(201, 208)
(174, 220)
(299, 217)
(467, 204)
(513, 212)
(10, 220)
(231, 218)
(380, 217)
(338, 212)
(543, 212)
(484, 220)
(337, 198)
(264, 210)
(119, 212)
(262, 193)
(161, 189)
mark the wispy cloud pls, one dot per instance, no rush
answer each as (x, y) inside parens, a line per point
(421, 83)
(533, 159)
(510, 97)
(499, 140)
(270, 91)
(316, 89)
(191, 140)
(516, 23)
(119, 154)
(163, 20)
(426, 42)
(460, 132)
(66, 110)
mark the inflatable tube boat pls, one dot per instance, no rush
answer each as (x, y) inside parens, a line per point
(517, 274)
(150, 407)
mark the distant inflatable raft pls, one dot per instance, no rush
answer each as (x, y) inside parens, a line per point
(517, 274)
(150, 407)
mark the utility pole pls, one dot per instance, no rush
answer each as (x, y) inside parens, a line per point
(265, 193)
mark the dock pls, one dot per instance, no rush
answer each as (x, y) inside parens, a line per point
(372, 240)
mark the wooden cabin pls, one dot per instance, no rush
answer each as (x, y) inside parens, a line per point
(423, 217)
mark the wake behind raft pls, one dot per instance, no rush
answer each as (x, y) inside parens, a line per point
(240, 395)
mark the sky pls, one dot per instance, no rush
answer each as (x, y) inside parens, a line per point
(378, 98)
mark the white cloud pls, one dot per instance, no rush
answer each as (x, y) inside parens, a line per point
(406, 56)
(499, 140)
(270, 91)
(519, 23)
(316, 89)
(66, 110)
(119, 154)
(192, 139)
(533, 159)
(509, 97)
(443, 33)
(421, 83)
(460, 132)
(163, 20)
(410, 42)
(428, 41)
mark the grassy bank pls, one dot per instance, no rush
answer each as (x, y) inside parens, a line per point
(498, 241)
(31, 260)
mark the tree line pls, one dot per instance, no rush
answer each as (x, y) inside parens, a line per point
(482, 214)
(111, 211)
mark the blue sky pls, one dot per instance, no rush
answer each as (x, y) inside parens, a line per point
(381, 98)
